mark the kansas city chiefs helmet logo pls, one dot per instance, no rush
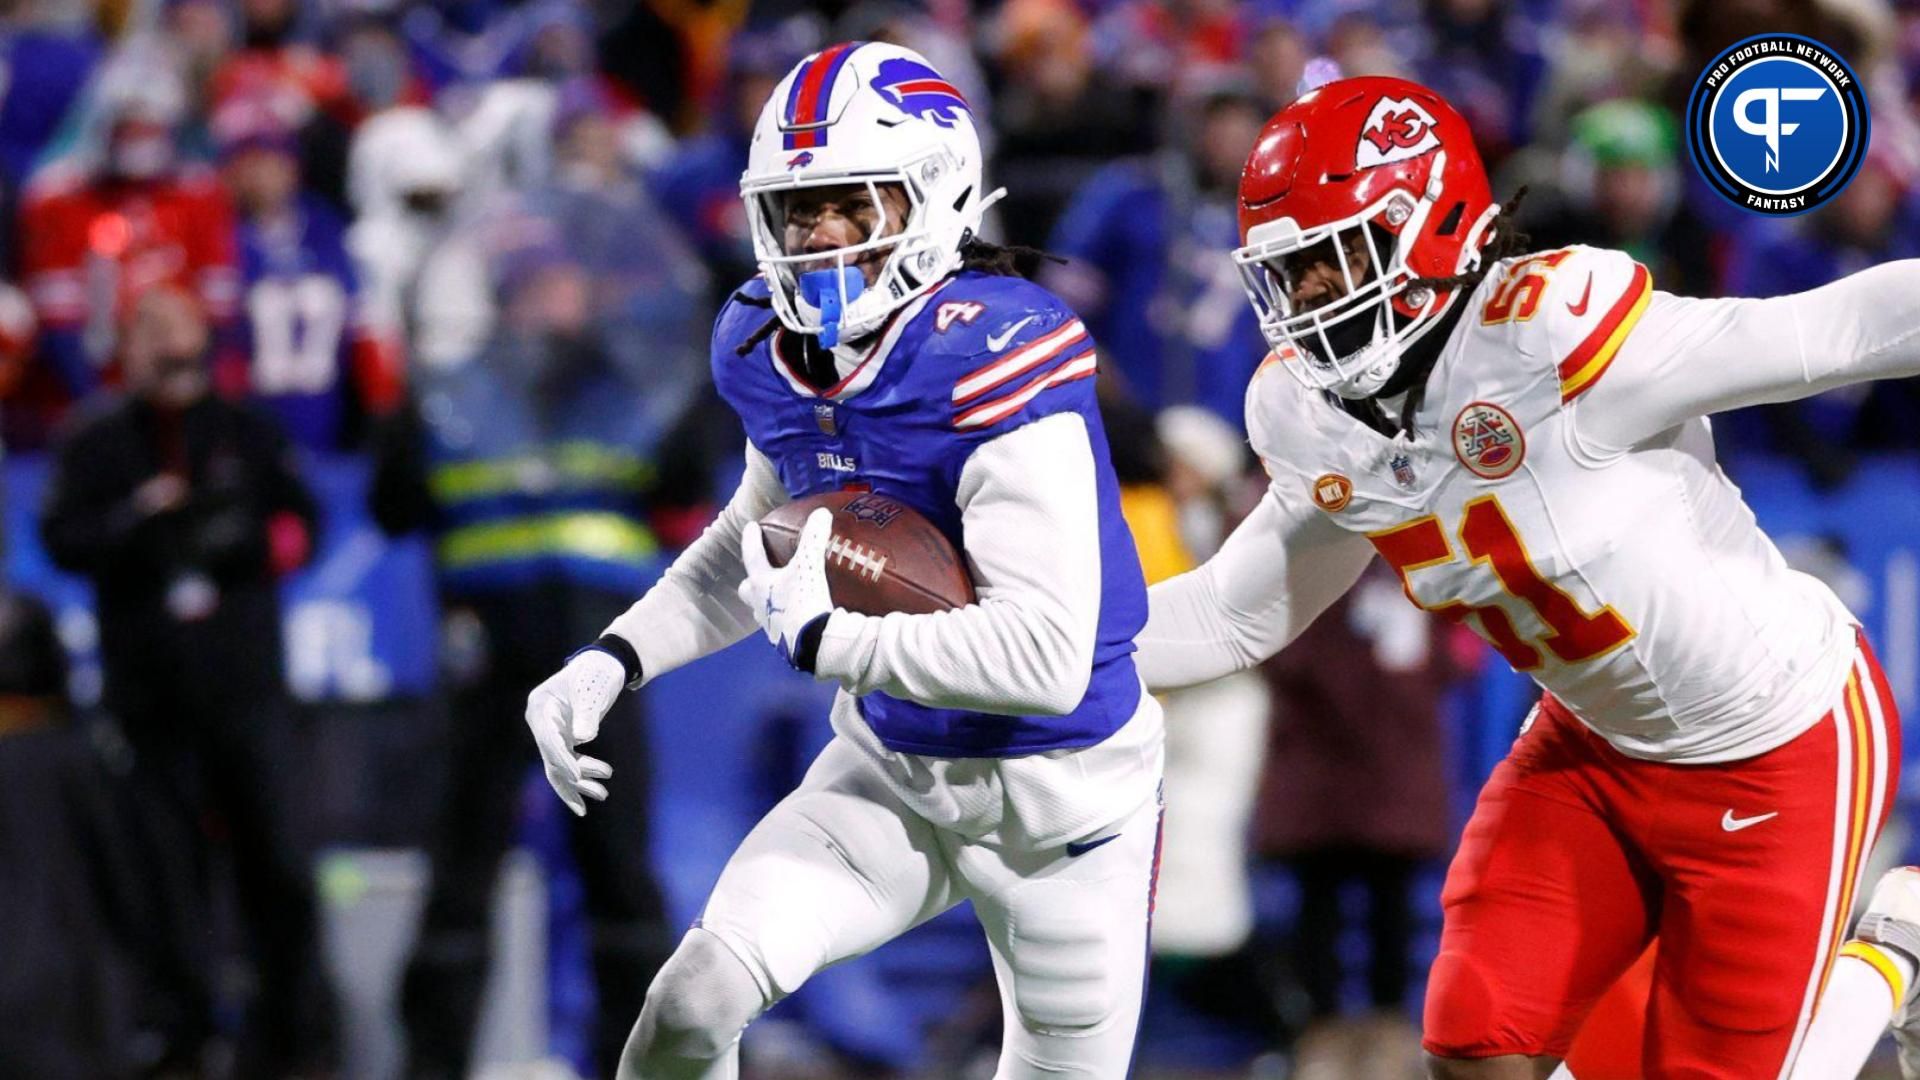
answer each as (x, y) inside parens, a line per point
(1396, 129)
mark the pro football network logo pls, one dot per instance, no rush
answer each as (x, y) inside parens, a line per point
(1488, 441)
(918, 90)
(1778, 124)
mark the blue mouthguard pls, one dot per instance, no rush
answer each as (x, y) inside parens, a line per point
(823, 288)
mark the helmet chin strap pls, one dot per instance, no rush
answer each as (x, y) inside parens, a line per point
(1384, 354)
(825, 290)
(1417, 359)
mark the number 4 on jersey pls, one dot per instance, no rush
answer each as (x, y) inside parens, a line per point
(962, 312)
(1489, 537)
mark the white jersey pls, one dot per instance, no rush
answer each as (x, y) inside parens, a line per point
(1558, 495)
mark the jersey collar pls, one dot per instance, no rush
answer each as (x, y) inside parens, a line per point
(868, 369)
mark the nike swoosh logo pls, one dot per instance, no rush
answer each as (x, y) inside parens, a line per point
(1734, 824)
(996, 342)
(1088, 845)
(1581, 307)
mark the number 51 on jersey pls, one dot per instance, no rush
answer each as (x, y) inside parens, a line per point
(1488, 537)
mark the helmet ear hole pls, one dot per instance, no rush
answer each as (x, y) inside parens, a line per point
(1452, 221)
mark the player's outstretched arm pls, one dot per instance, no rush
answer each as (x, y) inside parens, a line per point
(1030, 513)
(694, 609)
(1275, 574)
(1689, 357)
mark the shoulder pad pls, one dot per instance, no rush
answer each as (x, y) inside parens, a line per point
(1276, 406)
(1571, 308)
(1008, 340)
(982, 315)
(744, 313)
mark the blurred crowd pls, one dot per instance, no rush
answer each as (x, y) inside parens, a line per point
(477, 244)
(360, 191)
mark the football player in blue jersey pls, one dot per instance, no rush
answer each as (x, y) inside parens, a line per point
(1003, 752)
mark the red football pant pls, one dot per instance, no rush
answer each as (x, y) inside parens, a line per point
(1577, 856)
(1614, 1034)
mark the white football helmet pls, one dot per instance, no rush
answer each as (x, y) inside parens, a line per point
(872, 113)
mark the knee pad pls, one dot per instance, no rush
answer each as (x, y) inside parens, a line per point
(701, 1001)
(1066, 976)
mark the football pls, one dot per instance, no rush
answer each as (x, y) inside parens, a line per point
(884, 556)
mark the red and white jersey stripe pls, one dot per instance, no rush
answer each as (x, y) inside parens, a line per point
(991, 412)
(999, 389)
(1049, 346)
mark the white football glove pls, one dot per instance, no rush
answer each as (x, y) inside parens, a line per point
(564, 712)
(788, 601)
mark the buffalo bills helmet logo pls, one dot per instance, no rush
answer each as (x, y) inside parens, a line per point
(918, 90)
(800, 160)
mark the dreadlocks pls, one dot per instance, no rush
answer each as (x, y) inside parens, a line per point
(766, 328)
(1418, 360)
(1508, 241)
(1005, 260)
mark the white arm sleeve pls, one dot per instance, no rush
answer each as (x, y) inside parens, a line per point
(694, 609)
(1030, 513)
(1282, 567)
(1688, 358)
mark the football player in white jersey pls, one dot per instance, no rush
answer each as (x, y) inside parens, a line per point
(1004, 752)
(1523, 438)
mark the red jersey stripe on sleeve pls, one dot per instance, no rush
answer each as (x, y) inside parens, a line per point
(1018, 362)
(992, 412)
(1588, 361)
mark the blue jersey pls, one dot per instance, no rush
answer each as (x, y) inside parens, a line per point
(297, 284)
(976, 358)
(1174, 316)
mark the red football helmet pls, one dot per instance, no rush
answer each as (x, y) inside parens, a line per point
(1371, 164)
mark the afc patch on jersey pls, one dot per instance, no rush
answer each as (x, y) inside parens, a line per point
(1488, 441)
(1396, 129)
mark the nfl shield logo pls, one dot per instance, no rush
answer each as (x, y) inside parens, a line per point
(1402, 470)
(823, 418)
